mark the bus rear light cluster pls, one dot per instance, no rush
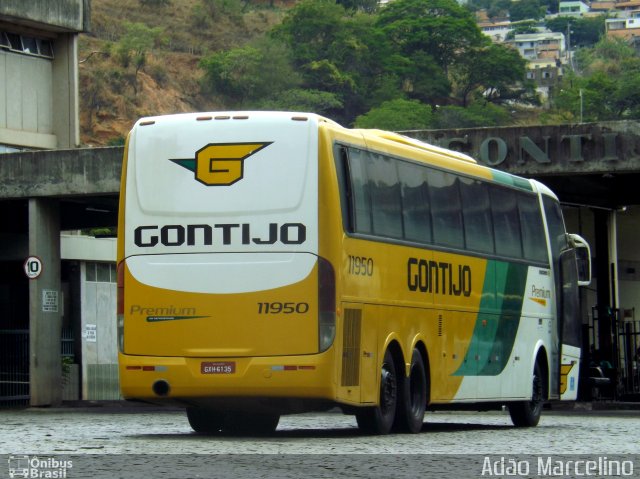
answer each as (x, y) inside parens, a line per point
(120, 306)
(326, 305)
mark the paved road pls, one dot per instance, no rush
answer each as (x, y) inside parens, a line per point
(108, 442)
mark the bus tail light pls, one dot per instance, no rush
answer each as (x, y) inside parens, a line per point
(326, 304)
(120, 306)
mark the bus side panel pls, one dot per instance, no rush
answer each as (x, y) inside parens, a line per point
(408, 293)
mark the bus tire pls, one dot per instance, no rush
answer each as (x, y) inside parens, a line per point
(261, 424)
(413, 396)
(379, 419)
(527, 413)
(204, 421)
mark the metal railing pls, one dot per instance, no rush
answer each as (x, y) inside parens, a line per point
(14, 367)
(628, 338)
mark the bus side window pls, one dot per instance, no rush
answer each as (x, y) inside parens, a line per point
(446, 211)
(555, 224)
(506, 223)
(386, 204)
(533, 239)
(476, 209)
(416, 211)
(361, 200)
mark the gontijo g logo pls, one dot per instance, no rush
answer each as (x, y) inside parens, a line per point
(221, 164)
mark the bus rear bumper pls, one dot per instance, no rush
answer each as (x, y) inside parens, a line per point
(198, 381)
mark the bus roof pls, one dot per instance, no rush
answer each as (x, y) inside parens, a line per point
(421, 145)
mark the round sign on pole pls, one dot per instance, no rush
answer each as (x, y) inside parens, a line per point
(33, 267)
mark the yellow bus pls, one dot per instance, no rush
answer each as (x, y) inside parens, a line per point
(273, 263)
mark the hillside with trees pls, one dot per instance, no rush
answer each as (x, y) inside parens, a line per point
(142, 57)
(412, 64)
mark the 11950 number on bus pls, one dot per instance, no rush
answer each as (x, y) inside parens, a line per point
(278, 307)
(360, 265)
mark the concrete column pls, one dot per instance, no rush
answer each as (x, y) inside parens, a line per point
(45, 304)
(613, 258)
(603, 275)
(66, 125)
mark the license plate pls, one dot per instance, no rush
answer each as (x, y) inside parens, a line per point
(225, 367)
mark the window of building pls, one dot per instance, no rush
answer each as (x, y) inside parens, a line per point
(101, 272)
(26, 44)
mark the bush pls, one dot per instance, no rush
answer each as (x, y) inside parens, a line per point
(397, 115)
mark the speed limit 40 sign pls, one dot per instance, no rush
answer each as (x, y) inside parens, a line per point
(33, 267)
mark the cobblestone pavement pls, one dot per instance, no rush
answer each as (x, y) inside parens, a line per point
(115, 441)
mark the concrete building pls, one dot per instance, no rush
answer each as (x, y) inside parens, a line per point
(573, 8)
(496, 30)
(39, 109)
(535, 45)
(626, 25)
(39, 69)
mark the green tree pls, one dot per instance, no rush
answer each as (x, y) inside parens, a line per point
(338, 52)
(477, 114)
(608, 54)
(423, 79)
(525, 10)
(134, 46)
(218, 8)
(551, 5)
(440, 28)
(321, 102)
(585, 32)
(489, 69)
(607, 88)
(369, 6)
(396, 115)
(523, 27)
(250, 74)
(310, 29)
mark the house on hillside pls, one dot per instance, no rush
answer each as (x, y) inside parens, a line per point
(535, 45)
(496, 30)
(626, 27)
(573, 8)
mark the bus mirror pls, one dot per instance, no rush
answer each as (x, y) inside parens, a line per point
(583, 258)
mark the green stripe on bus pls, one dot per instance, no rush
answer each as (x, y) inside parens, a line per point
(498, 320)
(511, 180)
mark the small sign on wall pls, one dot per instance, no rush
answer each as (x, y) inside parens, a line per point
(90, 334)
(50, 301)
(32, 267)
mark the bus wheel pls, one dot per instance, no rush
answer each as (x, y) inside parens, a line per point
(413, 398)
(260, 424)
(204, 421)
(379, 419)
(527, 413)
